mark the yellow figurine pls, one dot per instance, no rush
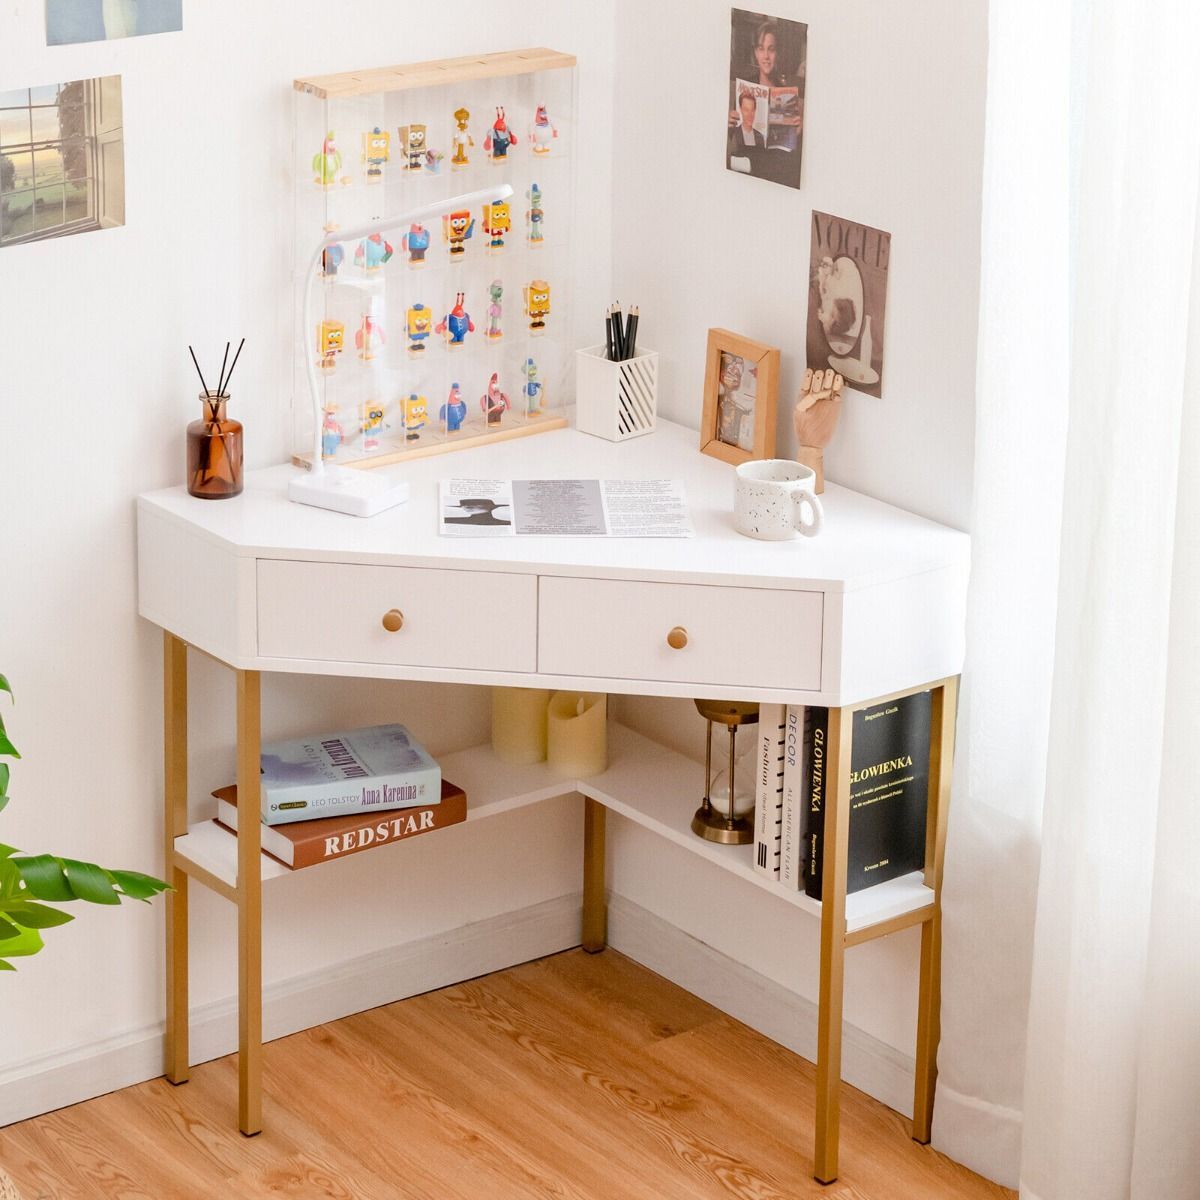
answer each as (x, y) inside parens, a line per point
(331, 337)
(537, 306)
(497, 221)
(416, 408)
(376, 151)
(412, 145)
(462, 139)
(419, 323)
(372, 424)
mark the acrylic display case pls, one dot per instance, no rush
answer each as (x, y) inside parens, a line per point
(452, 331)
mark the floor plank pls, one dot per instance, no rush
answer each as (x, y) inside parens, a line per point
(575, 1077)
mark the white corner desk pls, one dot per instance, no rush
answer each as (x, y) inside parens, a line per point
(873, 607)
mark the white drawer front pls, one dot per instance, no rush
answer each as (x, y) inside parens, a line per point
(334, 612)
(743, 637)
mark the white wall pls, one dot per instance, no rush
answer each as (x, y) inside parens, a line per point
(894, 139)
(94, 396)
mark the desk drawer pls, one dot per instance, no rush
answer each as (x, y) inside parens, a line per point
(743, 637)
(334, 612)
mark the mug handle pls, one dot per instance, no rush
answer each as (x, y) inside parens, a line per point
(801, 497)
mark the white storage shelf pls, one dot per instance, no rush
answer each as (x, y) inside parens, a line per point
(646, 783)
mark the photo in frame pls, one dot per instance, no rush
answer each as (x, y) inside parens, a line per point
(741, 389)
(847, 294)
(765, 123)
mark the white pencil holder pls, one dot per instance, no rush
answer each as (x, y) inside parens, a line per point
(615, 400)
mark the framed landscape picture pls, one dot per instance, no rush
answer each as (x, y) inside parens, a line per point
(741, 389)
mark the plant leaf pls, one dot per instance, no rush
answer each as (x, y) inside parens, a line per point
(6, 966)
(8, 930)
(137, 886)
(5, 686)
(4, 799)
(35, 916)
(26, 942)
(5, 851)
(90, 882)
(44, 877)
(6, 747)
(4, 773)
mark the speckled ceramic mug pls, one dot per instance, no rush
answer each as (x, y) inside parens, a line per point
(774, 499)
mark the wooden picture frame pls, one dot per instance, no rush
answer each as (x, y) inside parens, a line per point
(722, 433)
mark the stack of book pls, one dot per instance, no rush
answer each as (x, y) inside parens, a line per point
(334, 794)
(889, 791)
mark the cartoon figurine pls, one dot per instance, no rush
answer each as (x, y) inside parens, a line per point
(376, 151)
(532, 389)
(537, 306)
(497, 221)
(415, 410)
(456, 324)
(494, 402)
(331, 259)
(327, 162)
(456, 228)
(372, 424)
(454, 412)
(412, 146)
(544, 130)
(499, 138)
(330, 337)
(331, 432)
(372, 252)
(495, 311)
(419, 320)
(368, 337)
(534, 216)
(462, 140)
(416, 242)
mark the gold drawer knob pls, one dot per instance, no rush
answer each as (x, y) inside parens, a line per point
(677, 638)
(393, 620)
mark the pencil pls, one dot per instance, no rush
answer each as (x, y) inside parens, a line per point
(631, 339)
(608, 333)
(618, 333)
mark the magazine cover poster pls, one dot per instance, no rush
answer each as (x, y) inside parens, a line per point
(766, 96)
(847, 294)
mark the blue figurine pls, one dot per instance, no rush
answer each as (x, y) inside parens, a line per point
(416, 242)
(331, 259)
(454, 412)
(456, 324)
(532, 389)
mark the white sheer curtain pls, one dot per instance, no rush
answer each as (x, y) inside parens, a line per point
(1109, 1104)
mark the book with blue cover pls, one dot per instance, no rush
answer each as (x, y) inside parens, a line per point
(331, 775)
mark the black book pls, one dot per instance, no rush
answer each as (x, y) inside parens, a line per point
(889, 793)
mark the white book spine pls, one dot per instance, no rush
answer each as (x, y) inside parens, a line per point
(413, 789)
(791, 858)
(768, 789)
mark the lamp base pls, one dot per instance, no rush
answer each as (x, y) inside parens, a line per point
(355, 493)
(713, 826)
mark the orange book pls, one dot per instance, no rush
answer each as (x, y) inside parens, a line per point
(305, 843)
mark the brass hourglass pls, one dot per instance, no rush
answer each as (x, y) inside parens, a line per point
(728, 828)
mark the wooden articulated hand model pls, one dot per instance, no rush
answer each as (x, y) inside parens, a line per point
(816, 418)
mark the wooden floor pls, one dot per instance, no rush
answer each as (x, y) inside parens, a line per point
(577, 1077)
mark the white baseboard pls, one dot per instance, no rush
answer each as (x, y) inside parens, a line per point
(868, 1064)
(39, 1085)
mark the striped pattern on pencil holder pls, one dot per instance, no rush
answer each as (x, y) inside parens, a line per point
(615, 400)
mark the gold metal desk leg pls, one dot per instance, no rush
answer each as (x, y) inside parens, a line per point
(176, 1065)
(941, 765)
(595, 904)
(249, 903)
(833, 943)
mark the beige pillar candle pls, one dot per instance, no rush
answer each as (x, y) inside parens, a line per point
(519, 724)
(577, 734)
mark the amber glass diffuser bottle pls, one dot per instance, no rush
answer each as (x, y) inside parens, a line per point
(214, 451)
